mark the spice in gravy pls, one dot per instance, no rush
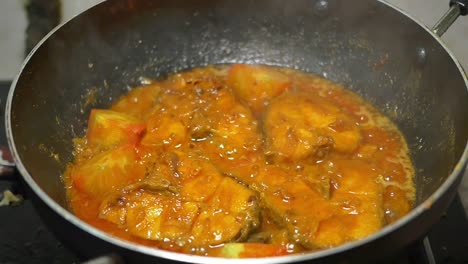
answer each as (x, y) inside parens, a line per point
(240, 161)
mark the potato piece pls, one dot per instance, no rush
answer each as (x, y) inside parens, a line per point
(108, 171)
(257, 85)
(299, 126)
(107, 128)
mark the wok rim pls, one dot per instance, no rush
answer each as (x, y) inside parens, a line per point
(159, 253)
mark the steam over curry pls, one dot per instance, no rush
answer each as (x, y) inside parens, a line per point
(240, 161)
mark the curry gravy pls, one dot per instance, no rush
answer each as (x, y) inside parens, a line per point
(240, 161)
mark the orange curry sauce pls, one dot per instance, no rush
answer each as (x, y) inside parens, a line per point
(240, 161)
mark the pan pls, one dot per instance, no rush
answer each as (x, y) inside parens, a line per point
(369, 46)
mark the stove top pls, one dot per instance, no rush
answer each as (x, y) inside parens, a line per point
(25, 239)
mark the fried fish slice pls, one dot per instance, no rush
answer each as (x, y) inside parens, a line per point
(293, 204)
(154, 216)
(230, 210)
(358, 196)
(182, 211)
(235, 142)
(298, 126)
(231, 214)
(351, 210)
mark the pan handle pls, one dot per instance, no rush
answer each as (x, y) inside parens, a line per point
(457, 8)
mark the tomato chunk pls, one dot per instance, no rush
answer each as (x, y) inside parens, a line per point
(257, 85)
(109, 128)
(108, 171)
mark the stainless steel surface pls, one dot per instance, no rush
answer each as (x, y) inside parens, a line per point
(409, 74)
(447, 20)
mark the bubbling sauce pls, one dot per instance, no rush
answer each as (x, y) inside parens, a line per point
(240, 161)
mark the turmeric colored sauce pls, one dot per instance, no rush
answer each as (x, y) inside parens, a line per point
(240, 161)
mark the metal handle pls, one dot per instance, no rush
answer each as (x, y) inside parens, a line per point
(462, 4)
(457, 8)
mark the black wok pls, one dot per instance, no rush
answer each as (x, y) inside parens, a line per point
(369, 46)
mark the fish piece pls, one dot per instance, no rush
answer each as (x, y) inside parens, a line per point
(165, 130)
(231, 214)
(154, 216)
(184, 210)
(358, 194)
(235, 142)
(298, 126)
(198, 178)
(293, 204)
(352, 209)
